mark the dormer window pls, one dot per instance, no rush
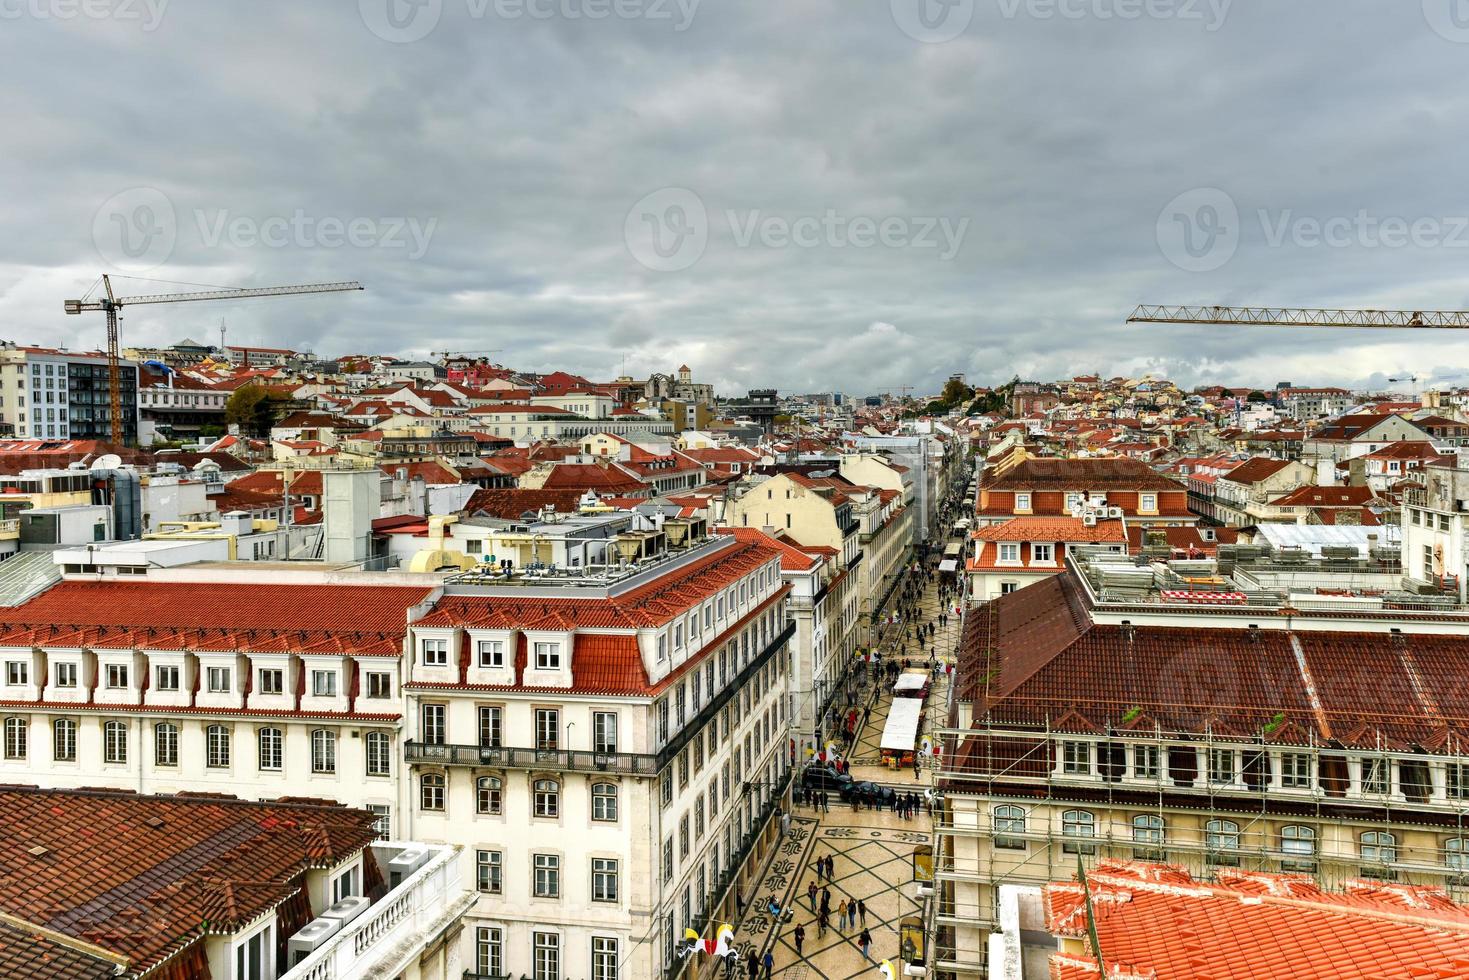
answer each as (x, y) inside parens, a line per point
(117, 676)
(548, 656)
(1009, 551)
(323, 683)
(219, 680)
(491, 653)
(17, 673)
(1149, 503)
(434, 653)
(1022, 501)
(1042, 553)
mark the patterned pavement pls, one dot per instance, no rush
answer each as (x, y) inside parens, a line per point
(873, 852)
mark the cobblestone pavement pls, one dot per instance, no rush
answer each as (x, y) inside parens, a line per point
(873, 851)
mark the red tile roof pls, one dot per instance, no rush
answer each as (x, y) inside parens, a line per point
(1157, 921)
(147, 876)
(1053, 529)
(1079, 474)
(352, 619)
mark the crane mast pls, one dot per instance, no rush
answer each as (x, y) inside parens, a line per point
(1287, 316)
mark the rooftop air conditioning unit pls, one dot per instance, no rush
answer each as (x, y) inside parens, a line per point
(1114, 511)
(1089, 520)
(347, 909)
(312, 937)
(409, 860)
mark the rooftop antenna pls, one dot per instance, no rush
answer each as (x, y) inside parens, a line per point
(221, 335)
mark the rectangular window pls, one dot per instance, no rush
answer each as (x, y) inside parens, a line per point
(546, 882)
(219, 680)
(1456, 781)
(604, 879)
(66, 675)
(383, 825)
(604, 731)
(1149, 503)
(166, 678)
(1076, 758)
(379, 685)
(431, 723)
(323, 683)
(1022, 501)
(491, 727)
(1221, 765)
(489, 951)
(548, 656)
(434, 653)
(604, 958)
(491, 653)
(1295, 770)
(487, 872)
(17, 672)
(1043, 553)
(272, 681)
(548, 729)
(117, 676)
(1009, 551)
(546, 947)
(166, 745)
(1145, 761)
(1374, 776)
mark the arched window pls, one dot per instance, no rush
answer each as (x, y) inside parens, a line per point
(379, 754)
(431, 791)
(1147, 829)
(114, 742)
(271, 742)
(1221, 840)
(1078, 823)
(489, 794)
(604, 801)
(165, 744)
(16, 741)
(64, 744)
(217, 747)
(1298, 848)
(1379, 847)
(547, 793)
(1009, 820)
(323, 750)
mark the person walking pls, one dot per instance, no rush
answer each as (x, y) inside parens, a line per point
(862, 912)
(811, 894)
(768, 961)
(821, 923)
(842, 915)
(865, 941)
(800, 936)
(825, 900)
(752, 965)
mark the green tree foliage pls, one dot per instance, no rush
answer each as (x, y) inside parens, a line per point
(252, 408)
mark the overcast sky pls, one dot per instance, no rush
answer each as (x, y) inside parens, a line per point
(807, 194)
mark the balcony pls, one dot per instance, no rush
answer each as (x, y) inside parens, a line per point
(387, 938)
(623, 763)
(10, 530)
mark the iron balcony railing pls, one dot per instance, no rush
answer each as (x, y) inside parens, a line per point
(624, 763)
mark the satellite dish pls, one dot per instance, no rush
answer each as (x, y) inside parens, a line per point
(107, 461)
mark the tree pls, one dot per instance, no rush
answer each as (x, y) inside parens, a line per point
(956, 391)
(251, 408)
(1255, 396)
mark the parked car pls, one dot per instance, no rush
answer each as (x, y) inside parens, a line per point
(871, 794)
(819, 775)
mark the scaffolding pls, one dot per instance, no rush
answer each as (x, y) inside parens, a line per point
(1383, 812)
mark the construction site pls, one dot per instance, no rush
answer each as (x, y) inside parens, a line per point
(1259, 711)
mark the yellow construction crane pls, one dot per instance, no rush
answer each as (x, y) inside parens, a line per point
(1278, 316)
(113, 303)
